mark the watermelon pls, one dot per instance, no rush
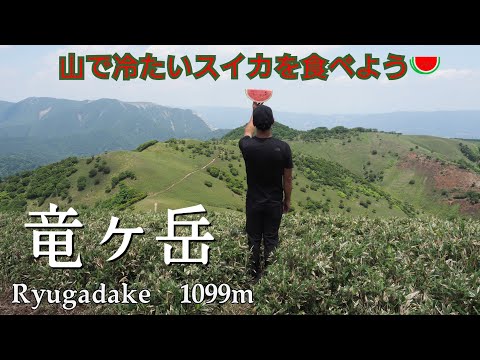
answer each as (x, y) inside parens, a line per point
(258, 96)
(425, 64)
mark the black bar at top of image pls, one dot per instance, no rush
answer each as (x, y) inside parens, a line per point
(323, 23)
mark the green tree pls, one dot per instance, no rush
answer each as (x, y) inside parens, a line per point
(81, 183)
(213, 171)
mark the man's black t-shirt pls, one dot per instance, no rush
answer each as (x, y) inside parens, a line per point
(265, 160)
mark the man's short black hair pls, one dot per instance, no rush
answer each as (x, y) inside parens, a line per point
(262, 117)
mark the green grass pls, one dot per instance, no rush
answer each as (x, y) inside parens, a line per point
(365, 154)
(160, 166)
(420, 194)
(438, 147)
(357, 156)
(324, 265)
(373, 260)
(156, 168)
(194, 189)
(353, 155)
(323, 193)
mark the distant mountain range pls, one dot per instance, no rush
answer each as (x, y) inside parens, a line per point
(450, 124)
(46, 118)
(37, 131)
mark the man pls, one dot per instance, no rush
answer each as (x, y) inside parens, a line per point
(268, 162)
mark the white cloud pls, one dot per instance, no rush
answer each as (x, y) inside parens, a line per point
(91, 50)
(341, 78)
(8, 73)
(271, 50)
(5, 46)
(162, 51)
(51, 59)
(229, 51)
(383, 80)
(451, 74)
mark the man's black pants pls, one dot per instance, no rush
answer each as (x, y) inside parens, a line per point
(263, 220)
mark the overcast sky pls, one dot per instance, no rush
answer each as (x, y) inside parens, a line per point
(27, 71)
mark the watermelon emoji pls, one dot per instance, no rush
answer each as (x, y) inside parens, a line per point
(425, 64)
(258, 96)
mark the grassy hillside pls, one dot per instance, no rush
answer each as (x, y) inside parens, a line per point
(325, 264)
(380, 158)
(360, 239)
(347, 171)
(181, 173)
(408, 167)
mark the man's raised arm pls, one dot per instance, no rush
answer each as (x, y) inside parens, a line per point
(250, 128)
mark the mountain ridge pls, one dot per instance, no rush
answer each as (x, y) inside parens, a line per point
(444, 123)
(66, 117)
(39, 130)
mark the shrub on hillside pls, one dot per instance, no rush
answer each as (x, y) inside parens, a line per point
(213, 171)
(469, 153)
(122, 176)
(146, 145)
(92, 173)
(124, 198)
(81, 183)
(364, 204)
